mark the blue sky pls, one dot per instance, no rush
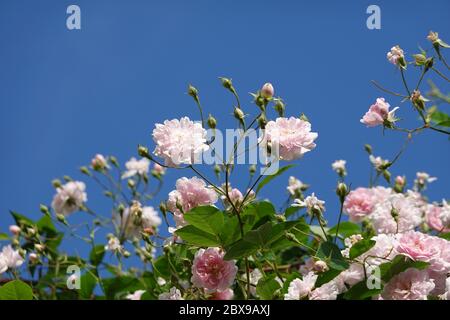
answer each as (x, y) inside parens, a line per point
(66, 95)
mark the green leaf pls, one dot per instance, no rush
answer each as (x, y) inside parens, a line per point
(197, 237)
(445, 236)
(206, 218)
(398, 265)
(116, 287)
(327, 276)
(21, 219)
(16, 290)
(301, 233)
(97, 254)
(45, 225)
(4, 237)
(361, 247)
(252, 241)
(360, 292)
(269, 178)
(331, 254)
(291, 210)
(162, 267)
(346, 229)
(440, 118)
(256, 214)
(231, 233)
(87, 285)
(267, 287)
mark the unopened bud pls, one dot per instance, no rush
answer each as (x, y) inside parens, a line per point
(394, 214)
(387, 176)
(163, 207)
(39, 247)
(56, 183)
(98, 163)
(262, 121)
(61, 218)
(291, 237)
(126, 254)
(342, 191)
(418, 100)
(304, 117)
(212, 122)
(419, 59)
(320, 266)
(267, 91)
(131, 183)
(67, 178)
(143, 151)
(368, 148)
(279, 107)
(226, 83)
(114, 161)
(44, 209)
(238, 113)
(33, 257)
(217, 170)
(108, 194)
(85, 170)
(252, 169)
(15, 230)
(149, 231)
(280, 218)
(193, 92)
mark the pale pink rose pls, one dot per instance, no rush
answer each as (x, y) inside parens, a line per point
(359, 203)
(235, 195)
(69, 197)
(307, 267)
(210, 271)
(136, 167)
(189, 193)
(395, 54)
(180, 141)
(135, 295)
(378, 113)
(328, 291)
(227, 294)
(12, 258)
(423, 247)
(409, 214)
(301, 288)
(438, 217)
(294, 185)
(353, 275)
(292, 137)
(412, 284)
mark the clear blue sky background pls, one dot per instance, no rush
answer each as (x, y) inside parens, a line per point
(66, 95)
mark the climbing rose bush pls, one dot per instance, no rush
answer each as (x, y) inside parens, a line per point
(210, 239)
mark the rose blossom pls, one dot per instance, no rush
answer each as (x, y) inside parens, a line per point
(312, 203)
(69, 197)
(395, 54)
(339, 167)
(3, 264)
(328, 291)
(113, 244)
(378, 113)
(359, 203)
(137, 218)
(438, 217)
(189, 193)
(227, 294)
(423, 247)
(412, 284)
(408, 215)
(292, 137)
(11, 258)
(294, 185)
(301, 288)
(135, 295)
(136, 167)
(173, 294)
(210, 271)
(179, 141)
